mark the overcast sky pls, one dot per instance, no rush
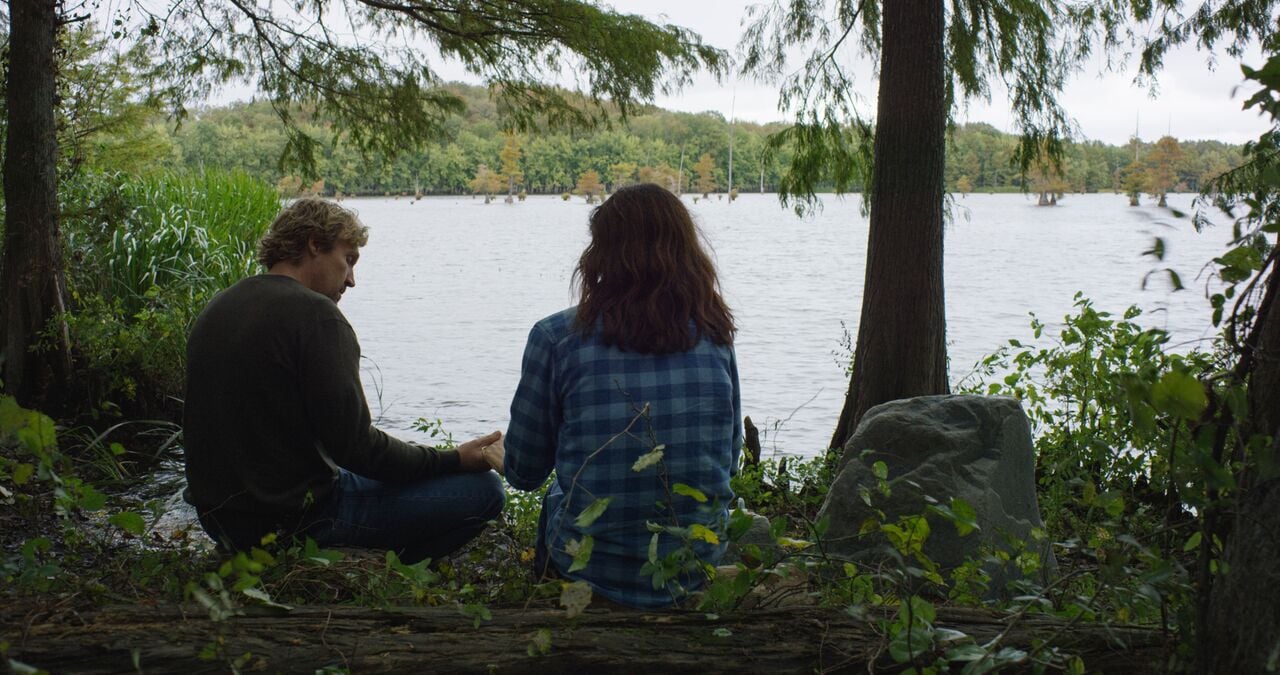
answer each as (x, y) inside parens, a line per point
(1193, 102)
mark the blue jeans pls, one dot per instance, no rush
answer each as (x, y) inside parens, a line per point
(426, 519)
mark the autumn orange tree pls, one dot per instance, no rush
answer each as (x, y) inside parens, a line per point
(487, 182)
(662, 175)
(510, 158)
(1133, 181)
(1049, 181)
(589, 185)
(706, 170)
(1162, 168)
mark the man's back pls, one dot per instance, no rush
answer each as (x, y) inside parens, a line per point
(251, 444)
(277, 428)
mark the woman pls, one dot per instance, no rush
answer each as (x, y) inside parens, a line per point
(643, 366)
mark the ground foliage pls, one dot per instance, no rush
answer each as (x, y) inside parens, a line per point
(94, 555)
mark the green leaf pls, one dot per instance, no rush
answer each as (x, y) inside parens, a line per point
(966, 518)
(966, 652)
(476, 612)
(591, 513)
(12, 415)
(1157, 249)
(739, 524)
(262, 597)
(653, 549)
(648, 459)
(581, 552)
(1242, 259)
(899, 651)
(90, 499)
(539, 643)
(38, 434)
(1179, 394)
(1113, 504)
(922, 611)
(313, 553)
(688, 491)
(1193, 542)
(702, 532)
(880, 470)
(129, 522)
(22, 473)
(574, 597)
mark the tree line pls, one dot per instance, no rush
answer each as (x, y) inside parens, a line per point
(655, 145)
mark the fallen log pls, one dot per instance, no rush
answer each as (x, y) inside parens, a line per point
(437, 639)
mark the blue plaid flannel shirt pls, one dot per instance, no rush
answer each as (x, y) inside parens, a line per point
(577, 410)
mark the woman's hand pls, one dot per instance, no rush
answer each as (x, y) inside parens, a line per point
(495, 454)
(481, 453)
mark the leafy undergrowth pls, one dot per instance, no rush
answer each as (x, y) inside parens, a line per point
(1121, 472)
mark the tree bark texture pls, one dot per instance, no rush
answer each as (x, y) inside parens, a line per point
(901, 347)
(1264, 380)
(808, 639)
(32, 287)
(1243, 631)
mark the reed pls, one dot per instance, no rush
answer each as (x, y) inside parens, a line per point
(146, 254)
(192, 234)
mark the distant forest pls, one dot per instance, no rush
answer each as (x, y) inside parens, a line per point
(653, 146)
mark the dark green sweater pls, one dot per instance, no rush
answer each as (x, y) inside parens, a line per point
(274, 404)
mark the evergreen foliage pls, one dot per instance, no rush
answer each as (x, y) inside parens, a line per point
(246, 136)
(378, 87)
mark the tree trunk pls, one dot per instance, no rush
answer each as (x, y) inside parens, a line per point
(1243, 631)
(31, 274)
(440, 639)
(901, 350)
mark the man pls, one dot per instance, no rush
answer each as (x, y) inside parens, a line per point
(277, 429)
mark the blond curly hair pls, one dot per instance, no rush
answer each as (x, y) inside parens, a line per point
(306, 220)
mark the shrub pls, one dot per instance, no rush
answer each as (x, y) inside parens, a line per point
(145, 256)
(1111, 408)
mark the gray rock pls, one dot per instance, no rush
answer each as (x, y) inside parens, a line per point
(757, 535)
(974, 448)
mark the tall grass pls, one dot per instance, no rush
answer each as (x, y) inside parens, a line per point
(145, 255)
(188, 233)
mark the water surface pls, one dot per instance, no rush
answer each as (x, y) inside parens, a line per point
(448, 288)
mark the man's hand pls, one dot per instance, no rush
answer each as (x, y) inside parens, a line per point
(472, 454)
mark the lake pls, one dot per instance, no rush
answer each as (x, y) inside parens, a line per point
(448, 287)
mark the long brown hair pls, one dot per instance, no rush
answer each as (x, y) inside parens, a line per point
(646, 278)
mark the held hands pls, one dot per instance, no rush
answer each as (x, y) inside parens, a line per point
(482, 454)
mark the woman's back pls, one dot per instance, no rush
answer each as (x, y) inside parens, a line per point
(632, 397)
(591, 412)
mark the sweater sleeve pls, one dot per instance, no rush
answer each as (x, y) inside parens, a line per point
(339, 413)
(535, 415)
